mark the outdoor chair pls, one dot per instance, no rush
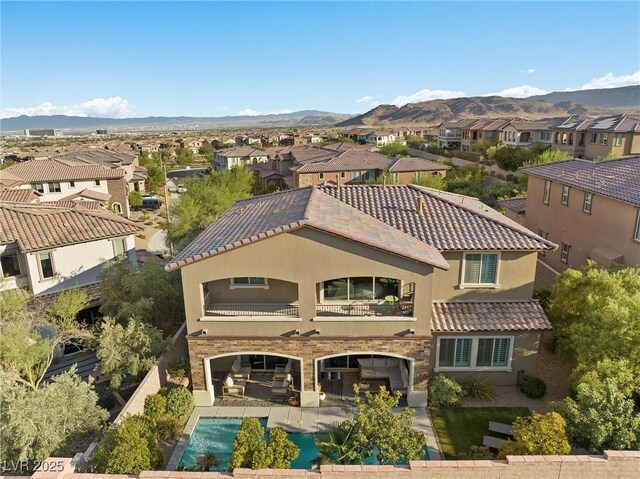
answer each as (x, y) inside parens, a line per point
(282, 388)
(282, 370)
(240, 372)
(233, 387)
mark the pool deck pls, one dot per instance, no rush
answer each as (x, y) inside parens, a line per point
(293, 419)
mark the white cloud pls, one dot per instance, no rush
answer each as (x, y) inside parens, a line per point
(224, 108)
(522, 91)
(113, 107)
(364, 99)
(531, 70)
(252, 112)
(426, 95)
(612, 81)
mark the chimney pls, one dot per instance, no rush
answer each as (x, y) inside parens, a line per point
(420, 206)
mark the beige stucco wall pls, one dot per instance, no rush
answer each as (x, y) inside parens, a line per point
(525, 349)
(516, 275)
(278, 291)
(306, 257)
(611, 224)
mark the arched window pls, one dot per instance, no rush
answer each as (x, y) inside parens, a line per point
(117, 208)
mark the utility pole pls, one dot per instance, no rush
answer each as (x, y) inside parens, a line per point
(166, 202)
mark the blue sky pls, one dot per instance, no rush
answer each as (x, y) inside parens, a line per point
(123, 59)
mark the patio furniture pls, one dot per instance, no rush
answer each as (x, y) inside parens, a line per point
(501, 428)
(240, 372)
(492, 442)
(233, 387)
(282, 370)
(282, 388)
(393, 369)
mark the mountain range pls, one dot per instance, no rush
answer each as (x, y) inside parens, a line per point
(586, 102)
(556, 104)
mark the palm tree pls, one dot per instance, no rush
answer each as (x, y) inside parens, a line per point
(206, 461)
(336, 445)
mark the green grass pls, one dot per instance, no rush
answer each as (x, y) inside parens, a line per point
(460, 428)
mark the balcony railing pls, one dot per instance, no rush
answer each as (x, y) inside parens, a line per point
(252, 309)
(401, 308)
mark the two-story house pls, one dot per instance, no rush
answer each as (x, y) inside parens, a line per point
(592, 210)
(346, 284)
(243, 155)
(450, 133)
(526, 133)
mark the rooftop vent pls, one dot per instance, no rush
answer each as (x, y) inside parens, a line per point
(420, 206)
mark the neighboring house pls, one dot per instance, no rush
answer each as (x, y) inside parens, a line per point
(48, 248)
(361, 166)
(243, 155)
(192, 145)
(372, 137)
(592, 138)
(481, 131)
(592, 210)
(246, 140)
(526, 133)
(72, 179)
(357, 282)
(450, 133)
(514, 208)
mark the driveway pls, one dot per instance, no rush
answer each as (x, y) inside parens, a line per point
(158, 242)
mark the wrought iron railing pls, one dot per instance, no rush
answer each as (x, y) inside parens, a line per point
(252, 309)
(400, 308)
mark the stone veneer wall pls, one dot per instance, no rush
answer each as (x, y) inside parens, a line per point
(308, 348)
(118, 190)
(610, 465)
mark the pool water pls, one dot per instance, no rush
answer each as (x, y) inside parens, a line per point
(214, 434)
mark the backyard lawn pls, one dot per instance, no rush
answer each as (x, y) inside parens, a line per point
(460, 428)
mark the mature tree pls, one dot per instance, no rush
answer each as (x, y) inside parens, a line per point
(280, 450)
(206, 199)
(465, 180)
(600, 417)
(155, 175)
(184, 156)
(249, 445)
(619, 371)
(551, 156)
(128, 350)
(435, 182)
(596, 314)
(36, 423)
(415, 141)
(382, 432)
(128, 448)
(207, 151)
(512, 158)
(147, 292)
(31, 339)
(336, 445)
(537, 434)
(180, 402)
(396, 149)
(135, 199)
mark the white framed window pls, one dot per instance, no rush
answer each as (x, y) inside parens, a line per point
(586, 204)
(97, 182)
(488, 353)
(564, 253)
(321, 176)
(343, 174)
(46, 265)
(619, 138)
(72, 184)
(360, 288)
(565, 195)
(10, 263)
(39, 187)
(119, 247)
(54, 187)
(593, 138)
(604, 139)
(547, 191)
(480, 269)
(636, 235)
(545, 235)
(249, 282)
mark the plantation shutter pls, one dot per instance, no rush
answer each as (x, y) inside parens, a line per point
(447, 351)
(472, 268)
(485, 352)
(463, 352)
(488, 270)
(501, 351)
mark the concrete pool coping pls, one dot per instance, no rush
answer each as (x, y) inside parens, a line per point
(295, 420)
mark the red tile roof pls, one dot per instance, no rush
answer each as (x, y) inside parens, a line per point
(478, 316)
(52, 169)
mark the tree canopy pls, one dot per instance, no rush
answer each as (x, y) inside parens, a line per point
(396, 149)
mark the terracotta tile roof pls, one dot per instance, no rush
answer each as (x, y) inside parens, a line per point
(18, 195)
(42, 302)
(264, 216)
(35, 227)
(349, 160)
(55, 169)
(417, 164)
(241, 152)
(478, 316)
(518, 205)
(100, 156)
(8, 179)
(90, 194)
(616, 179)
(450, 222)
(86, 205)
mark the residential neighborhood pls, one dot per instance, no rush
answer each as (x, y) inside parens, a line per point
(301, 268)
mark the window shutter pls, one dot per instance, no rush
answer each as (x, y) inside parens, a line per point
(463, 352)
(472, 268)
(488, 273)
(501, 352)
(485, 350)
(447, 349)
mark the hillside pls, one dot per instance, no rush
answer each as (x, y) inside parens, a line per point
(623, 98)
(435, 111)
(299, 118)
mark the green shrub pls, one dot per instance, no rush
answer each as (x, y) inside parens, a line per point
(537, 434)
(543, 295)
(444, 392)
(180, 403)
(479, 388)
(477, 452)
(533, 387)
(179, 369)
(155, 406)
(168, 428)
(249, 444)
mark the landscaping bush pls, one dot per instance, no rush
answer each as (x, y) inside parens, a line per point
(537, 434)
(444, 392)
(155, 406)
(477, 452)
(180, 403)
(479, 388)
(168, 428)
(179, 370)
(533, 387)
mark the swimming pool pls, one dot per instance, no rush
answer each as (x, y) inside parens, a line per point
(215, 434)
